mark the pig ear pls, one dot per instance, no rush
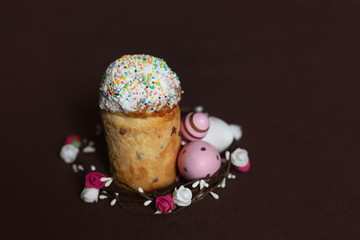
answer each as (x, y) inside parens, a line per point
(236, 131)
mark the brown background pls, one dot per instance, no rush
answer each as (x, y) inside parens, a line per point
(287, 71)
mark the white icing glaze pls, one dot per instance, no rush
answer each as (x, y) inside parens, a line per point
(136, 83)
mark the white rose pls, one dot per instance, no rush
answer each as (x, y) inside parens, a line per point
(239, 157)
(90, 195)
(182, 196)
(69, 153)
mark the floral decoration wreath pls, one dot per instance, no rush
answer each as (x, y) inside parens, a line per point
(165, 201)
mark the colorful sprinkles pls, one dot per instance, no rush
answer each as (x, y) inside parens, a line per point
(137, 83)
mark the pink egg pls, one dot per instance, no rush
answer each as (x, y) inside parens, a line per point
(198, 159)
(195, 126)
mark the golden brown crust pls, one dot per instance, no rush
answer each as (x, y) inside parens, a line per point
(143, 150)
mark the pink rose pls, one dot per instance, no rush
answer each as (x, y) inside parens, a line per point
(75, 140)
(92, 180)
(165, 203)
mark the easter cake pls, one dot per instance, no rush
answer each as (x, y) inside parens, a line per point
(139, 102)
(159, 163)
